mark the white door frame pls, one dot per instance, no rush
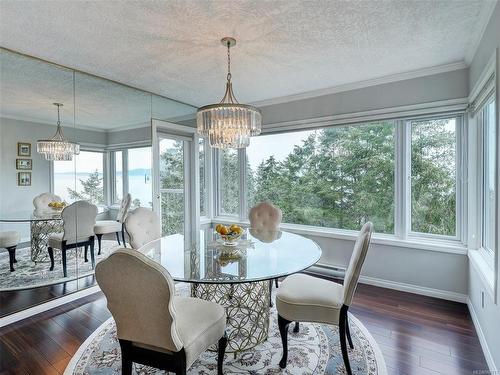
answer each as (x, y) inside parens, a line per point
(163, 129)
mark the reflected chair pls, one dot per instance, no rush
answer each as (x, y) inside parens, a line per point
(41, 202)
(155, 327)
(142, 226)
(78, 230)
(103, 227)
(304, 298)
(9, 240)
(266, 217)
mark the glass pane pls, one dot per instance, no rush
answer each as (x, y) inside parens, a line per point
(203, 178)
(89, 178)
(338, 177)
(433, 176)
(139, 177)
(118, 176)
(172, 186)
(489, 199)
(229, 181)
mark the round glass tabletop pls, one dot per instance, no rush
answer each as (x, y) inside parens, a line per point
(260, 255)
(27, 216)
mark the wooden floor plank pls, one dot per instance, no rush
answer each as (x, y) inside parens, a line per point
(418, 335)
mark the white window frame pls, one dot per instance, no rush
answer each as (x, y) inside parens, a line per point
(402, 227)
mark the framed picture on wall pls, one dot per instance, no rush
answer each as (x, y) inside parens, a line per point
(24, 178)
(26, 164)
(23, 149)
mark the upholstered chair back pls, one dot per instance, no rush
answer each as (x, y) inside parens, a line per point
(41, 202)
(139, 292)
(143, 226)
(78, 221)
(124, 206)
(265, 216)
(356, 263)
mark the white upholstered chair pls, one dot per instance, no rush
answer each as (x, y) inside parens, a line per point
(41, 202)
(9, 240)
(304, 298)
(266, 217)
(78, 230)
(142, 226)
(154, 326)
(103, 227)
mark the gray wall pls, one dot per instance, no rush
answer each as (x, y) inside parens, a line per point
(489, 42)
(442, 86)
(488, 314)
(139, 134)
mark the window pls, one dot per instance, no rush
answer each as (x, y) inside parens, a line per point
(89, 166)
(139, 176)
(434, 176)
(488, 184)
(203, 177)
(338, 177)
(118, 173)
(229, 176)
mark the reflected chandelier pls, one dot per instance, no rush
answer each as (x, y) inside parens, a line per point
(57, 148)
(229, 124)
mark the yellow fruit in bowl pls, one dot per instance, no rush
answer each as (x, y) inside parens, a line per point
(217, 228)
(224, 230)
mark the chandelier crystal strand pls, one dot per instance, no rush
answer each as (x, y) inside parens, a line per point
(57, 148)
(229, 124)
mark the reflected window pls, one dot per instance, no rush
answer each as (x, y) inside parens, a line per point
(140, 184)
(203, 177)
(229, 178)
(86, 184)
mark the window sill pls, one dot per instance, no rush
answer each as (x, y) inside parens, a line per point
(427, 244)
(481, 262)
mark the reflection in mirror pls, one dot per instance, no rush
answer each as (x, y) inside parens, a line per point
(28, 213)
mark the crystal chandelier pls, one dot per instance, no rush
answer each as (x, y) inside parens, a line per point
(229, 124)
(57, 148)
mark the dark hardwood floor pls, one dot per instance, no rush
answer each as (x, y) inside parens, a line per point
(418, 335)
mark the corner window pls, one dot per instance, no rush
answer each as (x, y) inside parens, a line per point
(488, 182)
(434, 176)
(229, 176)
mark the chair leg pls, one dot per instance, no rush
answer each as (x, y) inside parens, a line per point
(276, 282)
(65, 270)
(123, 237)
(283, 327)
(12, 257)
(343, 344)
(270, 293)
(92, 256)
(86, 251)
(51, 256)
(220, 356)
(118, 237)
(348, 331)
(296, 328)
(126, 361)
(99, 237)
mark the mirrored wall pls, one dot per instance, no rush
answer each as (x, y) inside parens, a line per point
(111, 123)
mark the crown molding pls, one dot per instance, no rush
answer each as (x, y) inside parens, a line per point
(362, 84)
(484, 18)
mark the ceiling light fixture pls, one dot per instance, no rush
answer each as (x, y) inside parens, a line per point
(57, 148)
(229, 124)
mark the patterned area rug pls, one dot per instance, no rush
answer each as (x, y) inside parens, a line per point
(27, 274)
(315, 349)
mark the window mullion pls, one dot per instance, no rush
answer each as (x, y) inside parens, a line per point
(125, 171)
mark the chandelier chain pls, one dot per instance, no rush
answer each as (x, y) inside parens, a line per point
(228, 60)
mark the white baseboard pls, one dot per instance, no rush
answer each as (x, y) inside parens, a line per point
(396, 285)
(482, 339)
(12, 318)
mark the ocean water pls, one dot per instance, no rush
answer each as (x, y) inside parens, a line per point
(140, 187)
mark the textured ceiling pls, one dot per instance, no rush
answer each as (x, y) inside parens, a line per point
(28, 87)
(284, 47)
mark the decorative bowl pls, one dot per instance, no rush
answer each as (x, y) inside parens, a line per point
(231, 239)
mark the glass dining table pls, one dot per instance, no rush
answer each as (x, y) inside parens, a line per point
(240, 277)
(42, 224)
